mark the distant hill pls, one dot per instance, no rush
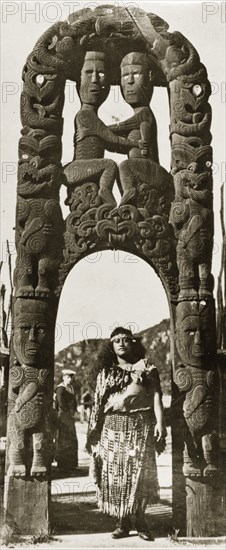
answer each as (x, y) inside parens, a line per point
(82, 357)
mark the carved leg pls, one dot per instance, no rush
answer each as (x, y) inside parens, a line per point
(23, 273)
(186, 275)
(17, 467)
(206, 282)
(81, 171)
(38, 467)
(191, 467)
(46, 269)
(126, 177)
(208, 451)
(107, 181)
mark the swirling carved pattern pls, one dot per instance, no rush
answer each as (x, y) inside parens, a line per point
(179, 212)
(52, 61)
(16, 376)
(30, 415)
(126, 226)
(183, 379)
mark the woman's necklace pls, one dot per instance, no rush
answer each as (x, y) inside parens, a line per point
(125, 366)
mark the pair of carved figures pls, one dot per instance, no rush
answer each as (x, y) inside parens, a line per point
(136, 136)
(191, 212)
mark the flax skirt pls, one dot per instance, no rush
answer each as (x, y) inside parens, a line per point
(128, 473)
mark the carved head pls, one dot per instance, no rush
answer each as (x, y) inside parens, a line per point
(195, 334)
(136, 85)
(31, 330)
(94, 86)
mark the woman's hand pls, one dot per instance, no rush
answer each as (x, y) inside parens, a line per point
(160, 432)
(93, 437)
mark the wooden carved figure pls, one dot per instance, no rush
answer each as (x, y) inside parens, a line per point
(142, 167)
(195, 340)
(192, 218)
(39, 227)
(92, 137)
(29, 386)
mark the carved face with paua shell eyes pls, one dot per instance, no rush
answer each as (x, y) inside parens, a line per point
(136, 85)
(195, 335)
(94, 87)
(31, 331)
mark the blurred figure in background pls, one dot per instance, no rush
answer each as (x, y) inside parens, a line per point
(86, 405)
(66, 438)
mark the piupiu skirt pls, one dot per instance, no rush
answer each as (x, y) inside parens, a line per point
(128, 474)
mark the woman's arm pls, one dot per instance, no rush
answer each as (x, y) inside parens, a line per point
(160, 429)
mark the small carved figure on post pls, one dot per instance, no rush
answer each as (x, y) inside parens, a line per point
(192, 218)
(195, 340)
(39, 228)
(29, 387)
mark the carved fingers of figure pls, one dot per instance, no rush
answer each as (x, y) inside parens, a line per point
(38, 400)
(47, 229)
(26, 393)
(81, 133)
(143, 145)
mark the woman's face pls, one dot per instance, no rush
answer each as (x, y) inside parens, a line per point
(122, 345)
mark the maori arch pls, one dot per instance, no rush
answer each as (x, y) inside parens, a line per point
(168, 223)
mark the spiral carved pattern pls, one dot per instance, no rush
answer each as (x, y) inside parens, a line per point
(183, 379)
(22, 210)
(36, 243)
(198, 419)
(42, 376)
(180, 212)
(16, 376)
(30, 414)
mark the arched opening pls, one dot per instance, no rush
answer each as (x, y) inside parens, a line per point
(111, 288)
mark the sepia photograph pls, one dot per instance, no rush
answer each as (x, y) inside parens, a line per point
(113, 274)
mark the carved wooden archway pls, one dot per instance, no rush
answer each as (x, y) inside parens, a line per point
(169, 225)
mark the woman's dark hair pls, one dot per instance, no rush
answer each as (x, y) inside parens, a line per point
(107, 357)
(121, 330)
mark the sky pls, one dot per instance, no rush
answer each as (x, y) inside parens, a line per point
(108, 288)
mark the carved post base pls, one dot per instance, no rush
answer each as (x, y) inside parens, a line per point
(205, 515)
(26, 506)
